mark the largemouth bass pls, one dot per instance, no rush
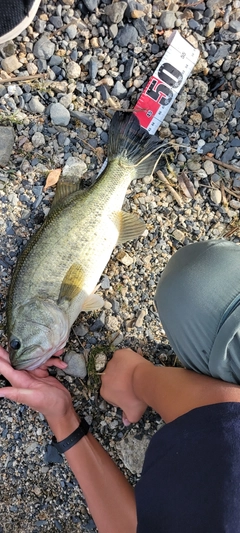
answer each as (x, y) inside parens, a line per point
(56, 274)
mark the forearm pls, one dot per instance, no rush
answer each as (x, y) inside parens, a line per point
(172, 392)
(109, 496)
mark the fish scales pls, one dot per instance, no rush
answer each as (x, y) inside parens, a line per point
(57, 273)
(86, 236)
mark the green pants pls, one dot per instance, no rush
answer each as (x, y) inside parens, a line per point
(198, 301)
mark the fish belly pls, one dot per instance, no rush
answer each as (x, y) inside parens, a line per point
(93, 258)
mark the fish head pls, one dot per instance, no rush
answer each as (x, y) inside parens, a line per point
(39, 329)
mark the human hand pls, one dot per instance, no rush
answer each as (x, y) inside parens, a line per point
(36, 388)
(117, 384)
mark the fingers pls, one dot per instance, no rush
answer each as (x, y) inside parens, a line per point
(6, 369)
(42, 371)
(35, 399)
(15, 394)
(55, 361)
(3, 354)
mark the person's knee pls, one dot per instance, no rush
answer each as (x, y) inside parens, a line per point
(181, 270)
(200, 284)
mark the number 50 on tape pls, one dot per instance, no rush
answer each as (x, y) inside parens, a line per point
(166, 82)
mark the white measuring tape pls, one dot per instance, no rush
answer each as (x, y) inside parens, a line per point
(166, 82)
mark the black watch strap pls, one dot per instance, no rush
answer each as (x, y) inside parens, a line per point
(72, 439)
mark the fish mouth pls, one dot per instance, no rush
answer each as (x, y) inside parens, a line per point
(31, 363)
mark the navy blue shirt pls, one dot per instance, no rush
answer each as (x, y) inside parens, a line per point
(191, 475)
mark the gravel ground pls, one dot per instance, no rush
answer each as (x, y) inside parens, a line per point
(93, 57)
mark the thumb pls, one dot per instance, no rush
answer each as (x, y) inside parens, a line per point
(125, 420)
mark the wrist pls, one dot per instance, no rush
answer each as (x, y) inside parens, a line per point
(140, 379)
(63, 426)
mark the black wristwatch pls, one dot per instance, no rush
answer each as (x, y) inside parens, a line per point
(72, 439)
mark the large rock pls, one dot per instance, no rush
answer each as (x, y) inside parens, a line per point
(132, 451)
(74, 169)
(76, 364)
(6, 144)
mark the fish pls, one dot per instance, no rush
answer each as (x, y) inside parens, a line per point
(57, 273)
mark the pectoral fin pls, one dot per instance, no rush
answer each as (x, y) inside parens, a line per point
(72, 283)
(131, 227)
(92, 302)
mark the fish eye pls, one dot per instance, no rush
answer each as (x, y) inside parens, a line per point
(15, 344)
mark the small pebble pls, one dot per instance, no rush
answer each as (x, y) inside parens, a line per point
(105, 283)
(112, 323)
(71, 30)
(10, 64)
(100, 361)
(209, 167)
(167, 20)
(140, 318)
(119, 90)
(216, 196)
(38, 139)
(36, 106)
(235, 204)
(43, 48)
(178, 235)
(59, 115)
(127, 35)
(124, 258)
(73, 70)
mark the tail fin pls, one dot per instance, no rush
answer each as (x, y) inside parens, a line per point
(128, 139)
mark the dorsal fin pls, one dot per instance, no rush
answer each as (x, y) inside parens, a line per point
(64, 189)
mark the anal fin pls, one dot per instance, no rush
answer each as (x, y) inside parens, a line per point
(92, 302)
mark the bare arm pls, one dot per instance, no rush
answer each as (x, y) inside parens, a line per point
(133, 383)
(109, 496)
(173, 392)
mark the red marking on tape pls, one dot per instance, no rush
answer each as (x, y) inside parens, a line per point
(148, 106)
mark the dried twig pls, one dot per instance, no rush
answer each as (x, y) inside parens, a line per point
(186, 185)
(237, 195)
(18, 79)
(221, 164)
(89, 146)
(231, 231)
(170, 188)
(224, 198)
(101, 113)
